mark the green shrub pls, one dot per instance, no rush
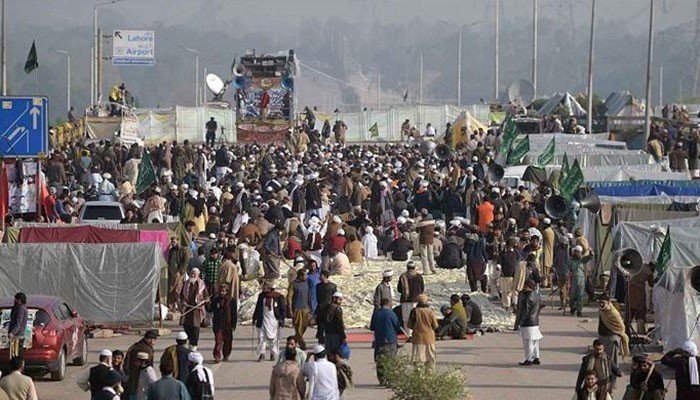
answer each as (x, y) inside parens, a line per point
(414, 381)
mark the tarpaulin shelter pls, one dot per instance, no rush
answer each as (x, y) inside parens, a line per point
(106, 283)
(647, 188)
(623, 104)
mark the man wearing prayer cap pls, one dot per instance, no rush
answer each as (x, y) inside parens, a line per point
(685, 362)
(200, 381)
(322, 375)
(176, 355)
(384, 290)
(422, 323)
(95, 378)
(548, 240)
(578, 270)
(410, 287)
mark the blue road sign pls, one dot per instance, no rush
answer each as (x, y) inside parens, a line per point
(24, 126)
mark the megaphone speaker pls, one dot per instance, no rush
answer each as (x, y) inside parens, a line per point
(631, 261)
(427, 148)
(556, 207)
(239, 70)
(443, 151)
(695, 277)
(591, 202)
(287, 83)
(496, 172)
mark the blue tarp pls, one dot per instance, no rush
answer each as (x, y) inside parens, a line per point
(646, 188)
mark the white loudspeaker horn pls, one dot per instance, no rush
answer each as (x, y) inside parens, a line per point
(239, 70)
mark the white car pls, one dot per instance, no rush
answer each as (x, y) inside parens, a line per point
(101, 212)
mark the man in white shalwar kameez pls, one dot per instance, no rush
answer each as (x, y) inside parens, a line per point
(268, 316)
(369, 243)
(322, 375)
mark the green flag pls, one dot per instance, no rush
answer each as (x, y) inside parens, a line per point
(510, 132)
(374, 130)
(664, 253)
(564, 171)
(547, 155)
(574, 180)
(520, 149)
(147, 174)
(32, 62)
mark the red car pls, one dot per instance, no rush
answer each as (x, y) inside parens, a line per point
(58, 336)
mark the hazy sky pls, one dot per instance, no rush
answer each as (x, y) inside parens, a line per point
(142, 13)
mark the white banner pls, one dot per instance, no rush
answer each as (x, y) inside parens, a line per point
(23, 197)
(5, 323)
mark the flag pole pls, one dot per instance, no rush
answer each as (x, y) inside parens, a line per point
(36, 82)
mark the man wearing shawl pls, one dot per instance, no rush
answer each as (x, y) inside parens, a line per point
(268, 316)
(225, 317)
(194, 295)
(606, 371)
(201, 379)
(611, 331)
(684, 362)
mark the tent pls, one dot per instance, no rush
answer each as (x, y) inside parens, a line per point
(566, 100)
(623, 104)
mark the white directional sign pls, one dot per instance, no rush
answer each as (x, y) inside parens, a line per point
(133, 48)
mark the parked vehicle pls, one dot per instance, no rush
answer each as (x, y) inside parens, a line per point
(58, 336)
(101, 212)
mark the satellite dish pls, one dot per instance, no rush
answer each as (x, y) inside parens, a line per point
(215, 84)
(521, 92)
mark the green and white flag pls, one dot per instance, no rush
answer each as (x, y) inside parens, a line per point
(510, 132)
(664, 253)
(147, 174)
(564, 171)
(574, 180)
(374, 130)
(547, 155)
(521, 148)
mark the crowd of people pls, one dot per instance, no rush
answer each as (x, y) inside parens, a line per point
(321, 207)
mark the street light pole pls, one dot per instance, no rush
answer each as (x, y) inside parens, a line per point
(67, 54)
(459, 67)
(650, 50)
(420, 98)
(95, 60)
(534, 46)
(196, 74)
(4, 51)
(589, 124)
(495, 67)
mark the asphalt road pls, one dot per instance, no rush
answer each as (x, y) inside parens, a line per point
(489, 362)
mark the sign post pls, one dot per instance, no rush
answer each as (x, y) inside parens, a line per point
(131, 47)
(24, 126)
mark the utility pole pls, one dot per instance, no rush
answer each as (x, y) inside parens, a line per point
(534, 46)
(459, 67)
(695, 55)
(98, 89)
(4, 50)
(196, 74)
(650, 58)
(495, 67)
(97, 54)
(379, 91)
(420, 98)
(661, 86)
(67, 54)
(589, 111)
(92, 76)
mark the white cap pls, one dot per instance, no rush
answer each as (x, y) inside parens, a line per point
(387, 273)
(470, 169)
(496, 190)
(240, 185)
(107, 175)
(181, 336)
(341, 231)
(369, 229)
(105, 353)
(338, 294)
(401, 220)
(455, 222)
(337, 219)
(318, 349)
(578, 248)
(195, 357)
(570, 235)
(475, 158)
(547, 221)
(405, 213)
(212, 235)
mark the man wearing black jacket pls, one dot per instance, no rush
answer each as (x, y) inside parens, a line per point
(527, 321)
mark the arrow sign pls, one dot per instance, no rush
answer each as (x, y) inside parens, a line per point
(17, 131)
(118, 34)
(34, 112)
